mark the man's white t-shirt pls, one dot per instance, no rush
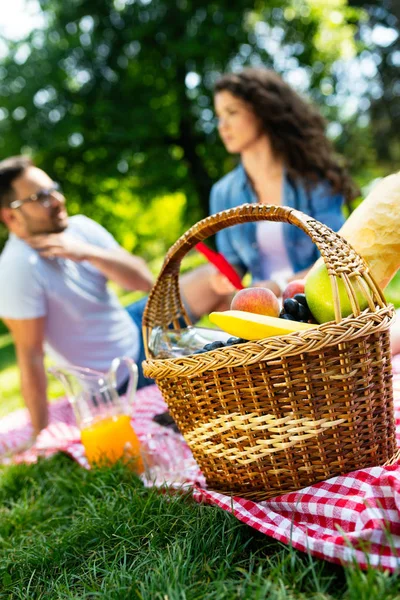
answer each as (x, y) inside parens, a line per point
(85, 322)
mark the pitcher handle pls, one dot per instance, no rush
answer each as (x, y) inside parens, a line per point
(133, 376)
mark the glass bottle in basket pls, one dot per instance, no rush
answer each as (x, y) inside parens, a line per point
(172, 343)
(103, 417)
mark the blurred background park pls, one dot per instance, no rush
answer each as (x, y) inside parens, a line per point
(114, 99)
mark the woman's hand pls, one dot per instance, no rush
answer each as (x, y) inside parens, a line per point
(221, 284)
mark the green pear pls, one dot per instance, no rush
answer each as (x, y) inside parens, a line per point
(319, 295)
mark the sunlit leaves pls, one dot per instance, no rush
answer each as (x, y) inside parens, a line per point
(336, 35)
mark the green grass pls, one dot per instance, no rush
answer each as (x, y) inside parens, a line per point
(70, 533)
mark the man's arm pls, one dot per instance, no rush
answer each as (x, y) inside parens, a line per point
(28, 335)
(129, 271)
(118, 265)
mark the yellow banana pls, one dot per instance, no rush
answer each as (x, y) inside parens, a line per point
(252, 326)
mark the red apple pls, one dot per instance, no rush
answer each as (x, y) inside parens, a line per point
(259, 300)
(293, 287)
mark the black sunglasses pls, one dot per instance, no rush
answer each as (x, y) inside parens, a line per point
(43, 196)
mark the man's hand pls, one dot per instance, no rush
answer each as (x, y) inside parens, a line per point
(60, 245)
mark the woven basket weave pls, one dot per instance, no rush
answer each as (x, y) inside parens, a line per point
(267, 417)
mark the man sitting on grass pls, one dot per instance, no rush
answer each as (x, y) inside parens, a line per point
(53, 281)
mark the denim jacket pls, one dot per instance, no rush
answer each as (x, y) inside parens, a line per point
(238, 243)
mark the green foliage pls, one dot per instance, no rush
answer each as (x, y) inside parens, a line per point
(379, 36)
(114, 99)
(148, 230)
(103, 92)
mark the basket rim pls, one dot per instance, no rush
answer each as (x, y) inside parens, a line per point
(311, 340)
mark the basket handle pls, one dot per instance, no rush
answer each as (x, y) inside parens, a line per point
(164, 306)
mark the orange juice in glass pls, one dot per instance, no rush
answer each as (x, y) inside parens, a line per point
(101, 414)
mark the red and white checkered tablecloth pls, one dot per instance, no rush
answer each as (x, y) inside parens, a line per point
(355, 517)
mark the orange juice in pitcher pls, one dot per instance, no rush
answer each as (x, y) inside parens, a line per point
(111, 439)
(101, 414)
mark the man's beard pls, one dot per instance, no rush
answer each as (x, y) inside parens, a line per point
(53, 225)
(58, 229)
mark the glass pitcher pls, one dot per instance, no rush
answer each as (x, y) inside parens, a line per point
(103, 417)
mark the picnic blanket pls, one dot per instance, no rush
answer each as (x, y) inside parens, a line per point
(355, 517)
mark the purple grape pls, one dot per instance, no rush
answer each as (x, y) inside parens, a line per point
(291, 307)
(301, 299)
(232, 341)
(303, 313)
(213, 346)
(217, 344)
(288, 317)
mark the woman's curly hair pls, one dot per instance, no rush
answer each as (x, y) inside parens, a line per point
(295, 128)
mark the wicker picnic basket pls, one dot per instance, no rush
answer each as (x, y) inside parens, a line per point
(268, 417)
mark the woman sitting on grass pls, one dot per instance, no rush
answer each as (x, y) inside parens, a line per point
(285, 159)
